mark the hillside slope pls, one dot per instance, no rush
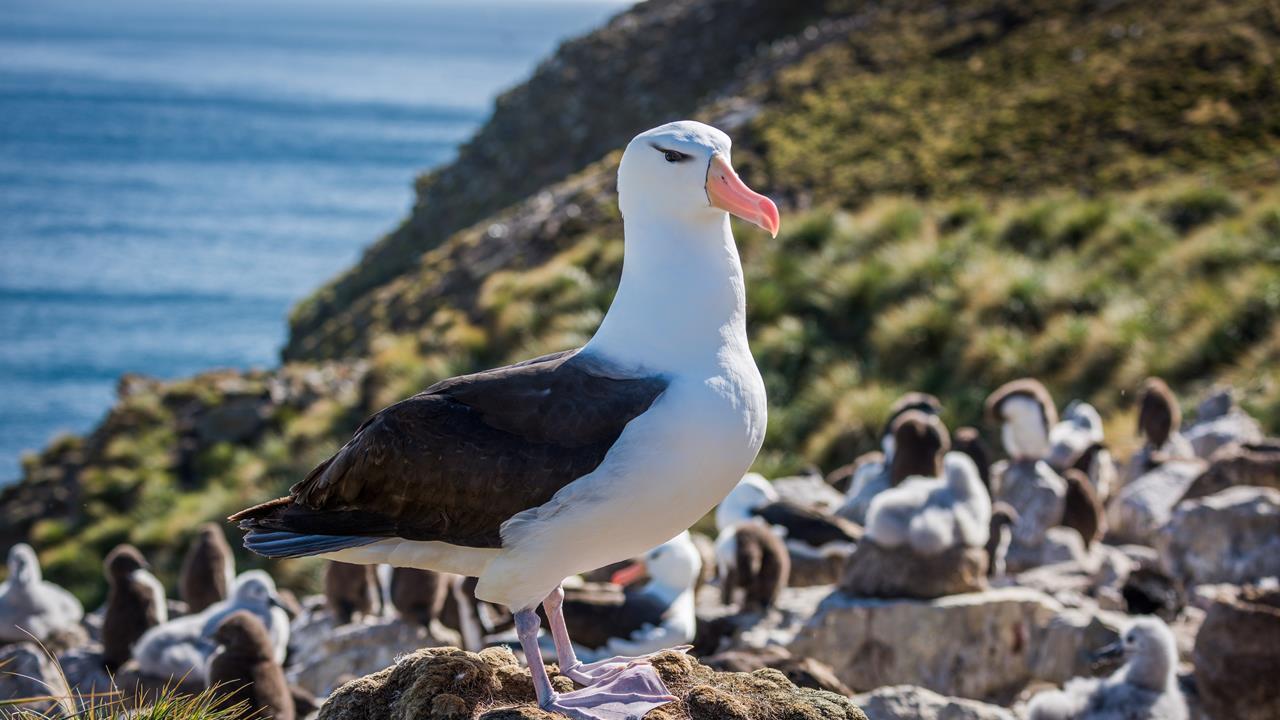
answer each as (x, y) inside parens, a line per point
(1086, 192)
(656, 60)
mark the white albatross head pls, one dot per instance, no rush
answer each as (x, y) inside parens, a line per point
(673, 567)
(24, 567)
(255, 590)
(681, 171)
(752, 492)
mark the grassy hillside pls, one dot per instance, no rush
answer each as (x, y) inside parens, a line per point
(1085, 192)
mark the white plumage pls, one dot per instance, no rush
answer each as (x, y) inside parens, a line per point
(181, 647)
(932, 515)
(752, 491)
(1024, 434)
(673, 571)
(1145, 688)
(28, 604)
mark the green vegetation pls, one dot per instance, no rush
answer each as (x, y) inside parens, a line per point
(167, 704)
(991, 189)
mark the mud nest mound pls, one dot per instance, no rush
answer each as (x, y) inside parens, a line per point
(449, 684)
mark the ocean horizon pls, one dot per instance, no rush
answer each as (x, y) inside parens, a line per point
(174, 177)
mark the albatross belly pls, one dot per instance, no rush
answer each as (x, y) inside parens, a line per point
(668, 469)
(420, 554)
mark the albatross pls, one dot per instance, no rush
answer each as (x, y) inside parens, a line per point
(527, 474)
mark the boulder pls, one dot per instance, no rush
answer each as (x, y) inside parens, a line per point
(1256, 463)
(1039, 495)
(804, 672)
(1095, 583)
(908, 702)
(27, 671)
(1237, 656)
(1143, 506)
(449, 683)
(238, 419)
(817, 566)
(1057, 545)
(322, 655)
(720, 629)
(1229, 537)
(983, 645)
(877, 572)
(1220, 422)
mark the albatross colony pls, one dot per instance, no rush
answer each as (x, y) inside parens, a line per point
(527, 474)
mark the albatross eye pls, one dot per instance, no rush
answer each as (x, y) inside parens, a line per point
(674, 156)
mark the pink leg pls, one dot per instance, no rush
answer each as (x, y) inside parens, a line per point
(626, 695)
(570, 666)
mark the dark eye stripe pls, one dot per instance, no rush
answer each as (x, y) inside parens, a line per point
(672, 156)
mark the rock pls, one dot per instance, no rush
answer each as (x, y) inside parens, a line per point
(877, 572)
(84, 671)
(978, 645)
(449, 683)
(1220, 422)
(908, 702)
(720, 630)
(1057, 545)
(1039, 495)
(236, 420)
(1143, 506)
(1066, 645)
(1097, 583)
(804, 672)
(321, 654)
(817, 566)
(1256, 464)
(1237, 656)
(1148, 458)
(1232, 536)
(27, 672)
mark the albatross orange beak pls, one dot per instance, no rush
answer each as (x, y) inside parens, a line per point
(727, 192)
(629, 574)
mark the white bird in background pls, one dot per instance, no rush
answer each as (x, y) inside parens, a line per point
(528, 474)
(1145, 688)
(181, 647)
(656, 615)
(31, 607)
(932, 515)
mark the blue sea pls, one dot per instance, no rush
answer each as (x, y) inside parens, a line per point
(175, 175)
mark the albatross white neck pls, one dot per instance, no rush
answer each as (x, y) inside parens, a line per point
(681, 303)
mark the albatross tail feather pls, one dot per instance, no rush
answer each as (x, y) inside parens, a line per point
(281, 544)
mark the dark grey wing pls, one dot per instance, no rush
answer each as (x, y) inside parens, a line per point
(808, 525)
(456, 461)
(594, 614)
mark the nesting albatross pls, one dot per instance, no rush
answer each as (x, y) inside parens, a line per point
(527, 474)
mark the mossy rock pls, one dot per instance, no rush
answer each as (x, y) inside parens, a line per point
(449, 684)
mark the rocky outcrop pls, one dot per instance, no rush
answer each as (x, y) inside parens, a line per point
(1254, 463)
(1228, 537)
(877, 572)
(978, 645)
(447, 683)
(324, 656)
(26, 671)
(908, 702)
(551, 126)
(1220, 422)
(1056, 545)
(1237, 656)
(1144, 505)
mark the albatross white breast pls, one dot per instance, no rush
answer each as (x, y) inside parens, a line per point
(527, 474)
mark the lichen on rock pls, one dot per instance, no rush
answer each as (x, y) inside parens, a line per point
(449, 684)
